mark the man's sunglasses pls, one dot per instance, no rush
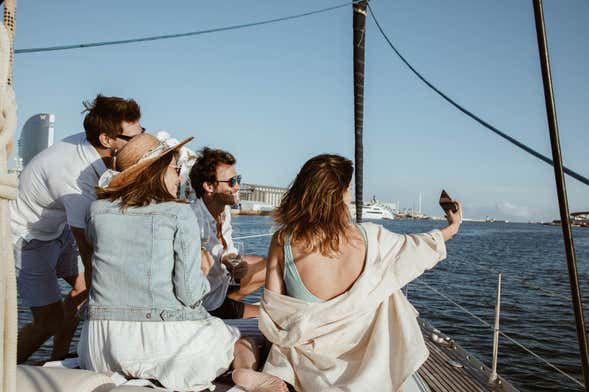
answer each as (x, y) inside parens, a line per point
(233, 181)
(127, 137)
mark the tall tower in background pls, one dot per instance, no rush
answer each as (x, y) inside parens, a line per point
(36, 135)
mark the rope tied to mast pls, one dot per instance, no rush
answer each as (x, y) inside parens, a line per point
(8, 188)
(8, 183)
(7, 97)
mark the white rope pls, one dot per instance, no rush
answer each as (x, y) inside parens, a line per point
(7, 99)
(8, 185)
(520, 345)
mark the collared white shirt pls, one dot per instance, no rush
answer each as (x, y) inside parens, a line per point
(219, 277)
(56, 188)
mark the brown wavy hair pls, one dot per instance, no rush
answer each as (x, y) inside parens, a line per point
(150, 186)
(313, 211)
(105, 115)
(205, 168)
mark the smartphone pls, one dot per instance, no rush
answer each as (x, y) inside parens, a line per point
(447, 203)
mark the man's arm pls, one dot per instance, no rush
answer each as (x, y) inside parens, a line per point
(241, 269)
(85, 253)
(77, 205)
(227, 231)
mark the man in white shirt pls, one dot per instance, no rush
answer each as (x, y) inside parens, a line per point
(216, 184)
(48, 221)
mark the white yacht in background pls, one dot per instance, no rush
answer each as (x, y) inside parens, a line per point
(373, 211)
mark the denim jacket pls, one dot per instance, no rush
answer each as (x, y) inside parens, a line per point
(146, 263)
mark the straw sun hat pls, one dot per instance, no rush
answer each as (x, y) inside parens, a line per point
(138, 154)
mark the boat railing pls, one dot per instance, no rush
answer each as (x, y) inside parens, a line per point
(505, 335)
(522, 281)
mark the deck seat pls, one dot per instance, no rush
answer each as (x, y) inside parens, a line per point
(46, 379)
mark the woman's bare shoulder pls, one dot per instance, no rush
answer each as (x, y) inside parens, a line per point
(275, 249)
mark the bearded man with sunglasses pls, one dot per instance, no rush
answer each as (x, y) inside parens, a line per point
(48, 221)
(216, 184)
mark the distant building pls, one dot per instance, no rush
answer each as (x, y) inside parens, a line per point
(254, 197)
(36, 135)
(580, 218)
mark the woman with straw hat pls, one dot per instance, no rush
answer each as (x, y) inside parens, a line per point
(144, 317)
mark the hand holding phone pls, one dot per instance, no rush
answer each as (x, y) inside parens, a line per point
(453, 211)
(447, 203)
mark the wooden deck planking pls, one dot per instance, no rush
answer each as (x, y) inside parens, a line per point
(442, 376)
(451, 377)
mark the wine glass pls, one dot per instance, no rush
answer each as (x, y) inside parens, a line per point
(235, 257)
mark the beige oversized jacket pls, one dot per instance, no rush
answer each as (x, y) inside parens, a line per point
(366, 339)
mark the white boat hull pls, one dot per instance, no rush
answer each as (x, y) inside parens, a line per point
(373, 212)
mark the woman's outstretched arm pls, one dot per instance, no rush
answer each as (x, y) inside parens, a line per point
(454, 221)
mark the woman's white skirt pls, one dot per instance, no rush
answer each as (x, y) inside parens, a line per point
(181, 355)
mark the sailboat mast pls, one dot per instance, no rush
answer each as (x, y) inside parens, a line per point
(359, 40)
(561, 189)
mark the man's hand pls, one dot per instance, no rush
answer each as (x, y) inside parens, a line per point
(237, 271)
(240, 270)
(206, 261)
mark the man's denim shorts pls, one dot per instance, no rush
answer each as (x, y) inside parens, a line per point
(39, 264)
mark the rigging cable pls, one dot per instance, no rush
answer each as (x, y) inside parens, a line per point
(512, 340)
(253, 236)
(187, 34)
(521, 145)
(525, 283)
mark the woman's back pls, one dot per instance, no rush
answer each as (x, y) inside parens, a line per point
(144, 261)
(315, 277)
(368, 338)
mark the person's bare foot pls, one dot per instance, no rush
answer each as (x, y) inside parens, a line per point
(253, 381)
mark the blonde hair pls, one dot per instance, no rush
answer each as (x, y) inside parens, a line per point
(313, 211)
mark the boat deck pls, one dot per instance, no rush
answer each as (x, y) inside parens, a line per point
(448, 368)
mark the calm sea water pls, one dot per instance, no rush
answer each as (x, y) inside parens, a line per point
(535, 309)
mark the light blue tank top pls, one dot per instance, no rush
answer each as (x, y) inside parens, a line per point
(292, 280)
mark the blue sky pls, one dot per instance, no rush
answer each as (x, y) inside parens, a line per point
(278, 94)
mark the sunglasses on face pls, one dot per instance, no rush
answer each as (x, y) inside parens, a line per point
(127, 137)
(233, 181)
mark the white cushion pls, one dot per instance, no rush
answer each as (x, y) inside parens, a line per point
(46, 379)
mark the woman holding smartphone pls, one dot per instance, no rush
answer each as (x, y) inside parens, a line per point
(333, 306)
